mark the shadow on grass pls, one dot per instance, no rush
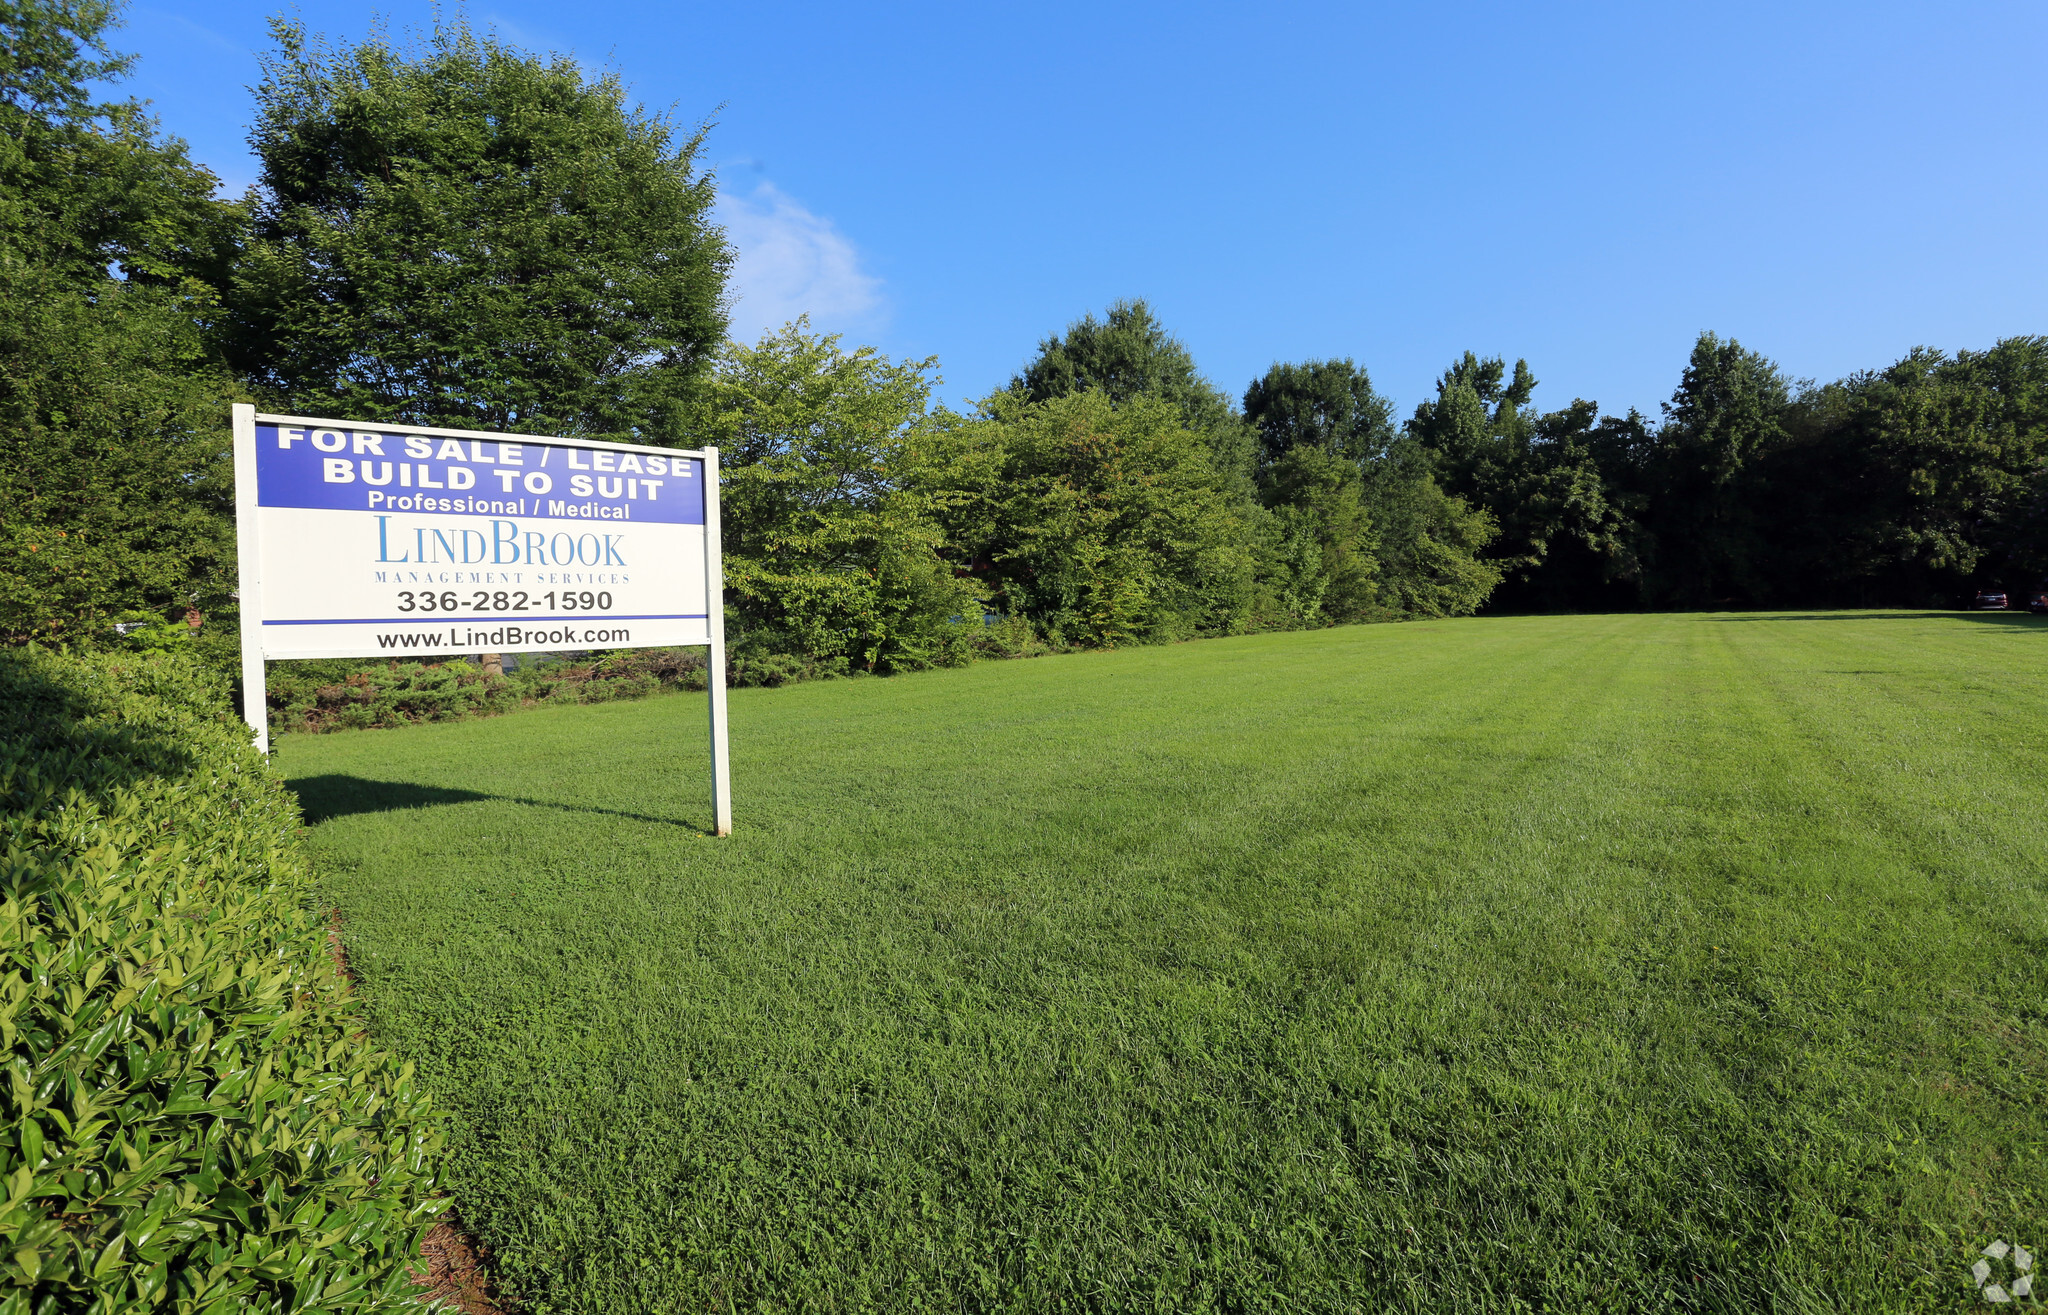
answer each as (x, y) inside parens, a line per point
(324, 798)
(1989, 618)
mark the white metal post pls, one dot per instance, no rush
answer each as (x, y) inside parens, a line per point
(249, 549)
(714, 659)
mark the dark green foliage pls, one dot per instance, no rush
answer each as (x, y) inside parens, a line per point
(113, 422)
(1896, 486)
(190, 1120)
(1622, 964)
(86, 185)
(1729, 409)
(1318, 557)
(1909, 481)
(1559, 539)
(1727, 417)
(474, 237)
(1430, 542)
(114, 464)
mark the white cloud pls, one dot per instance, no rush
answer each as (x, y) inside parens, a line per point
(526, 36)
(190, 28)
(790, 262)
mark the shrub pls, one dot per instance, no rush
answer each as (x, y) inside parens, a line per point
(1008, 637)
(767, 667)
(189, 1119)
(350, 694)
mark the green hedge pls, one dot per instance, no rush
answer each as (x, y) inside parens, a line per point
(190, 1119)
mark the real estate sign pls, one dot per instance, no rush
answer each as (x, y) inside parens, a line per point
(396, 541)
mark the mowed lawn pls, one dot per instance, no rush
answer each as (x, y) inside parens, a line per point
(1635, 963)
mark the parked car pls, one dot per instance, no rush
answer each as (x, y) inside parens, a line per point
(2037, 598)
(1991, 599)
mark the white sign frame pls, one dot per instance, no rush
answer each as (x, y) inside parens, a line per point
(250, 545)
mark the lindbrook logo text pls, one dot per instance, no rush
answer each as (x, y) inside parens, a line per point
(506, 545)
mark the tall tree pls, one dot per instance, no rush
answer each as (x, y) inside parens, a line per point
(113, 419)
(1721, 427)
(90, 192)
(471, 236)
(1321, 425)
(114, 463)
(1411, 548)
(1431, 543)
(1905, 484)
(1320, 560)
(1129, 354)
(1330, 405)
(1561, 539)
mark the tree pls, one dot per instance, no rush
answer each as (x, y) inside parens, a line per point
(830, 506)
(474, 237)
(114, 463)
(1561, 539)
(1408, 547)
(1102, 524)
(1905, 483)
(1320, 563)
(90, 195)
(1321, 425)
(1330, 405)
(1589, 480)
(1721, 427)
(1128, 354)
(1430, 541)
(113, 418)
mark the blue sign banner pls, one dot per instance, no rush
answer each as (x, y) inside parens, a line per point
(368, 470)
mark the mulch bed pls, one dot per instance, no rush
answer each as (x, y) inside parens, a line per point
(457, 1269)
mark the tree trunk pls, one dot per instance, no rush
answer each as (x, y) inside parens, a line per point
(492, 663)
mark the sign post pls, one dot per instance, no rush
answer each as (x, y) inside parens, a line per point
(398, 541)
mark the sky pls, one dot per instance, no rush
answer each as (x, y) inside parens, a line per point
(1587, 186)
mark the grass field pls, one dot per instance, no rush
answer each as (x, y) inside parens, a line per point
(1595, 963)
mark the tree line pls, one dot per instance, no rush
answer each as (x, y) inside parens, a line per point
(461, 234)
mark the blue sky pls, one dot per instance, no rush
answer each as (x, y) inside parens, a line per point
(1587, 186)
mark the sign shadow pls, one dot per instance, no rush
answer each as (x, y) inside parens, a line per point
(324, 798)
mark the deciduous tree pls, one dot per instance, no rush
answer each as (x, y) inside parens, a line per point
(471, 236)
(831, 505)
(1330, 405)
(1103, 523)
(1726, 418)
(1560, 537)
(113, 418)
(1322, 561)
(1129, 354)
